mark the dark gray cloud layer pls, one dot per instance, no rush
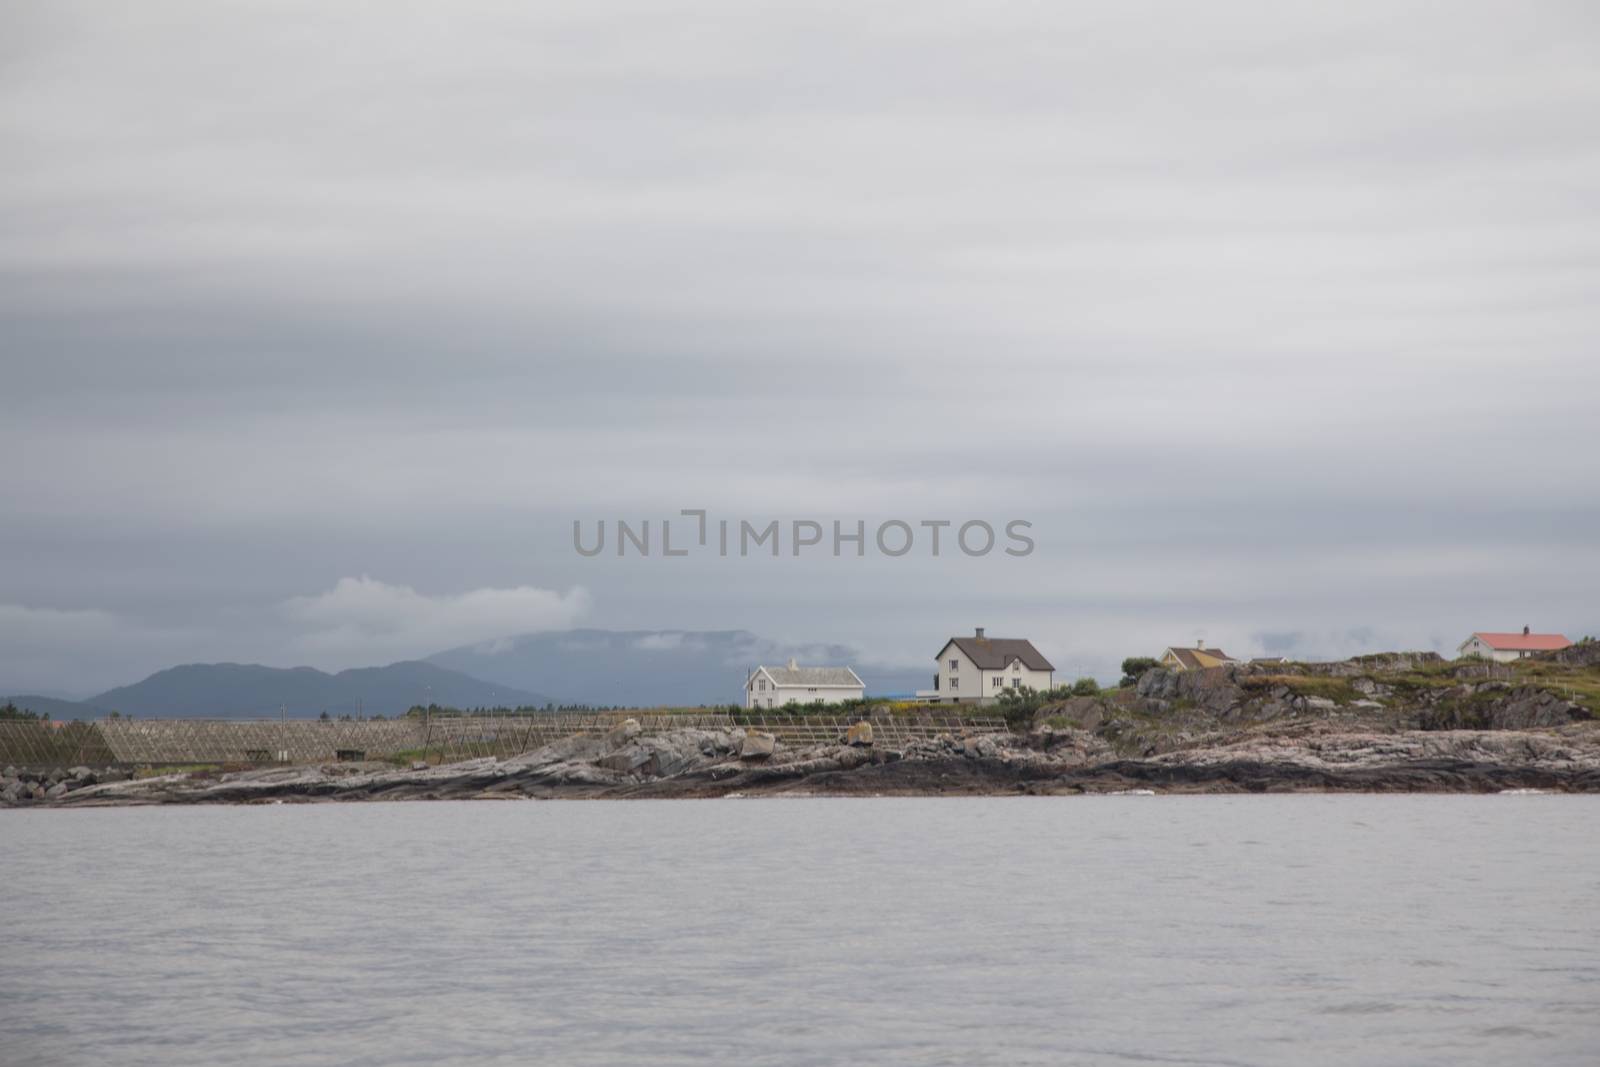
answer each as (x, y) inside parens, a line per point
(1279, 327)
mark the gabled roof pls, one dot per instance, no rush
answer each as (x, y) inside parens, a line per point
(996, 653)
(1523, 642)
(1195, 659)
(796, 675)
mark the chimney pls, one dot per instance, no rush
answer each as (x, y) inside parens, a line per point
(793, 666)
(1524, 631)
(1199, 643)
(980, 631)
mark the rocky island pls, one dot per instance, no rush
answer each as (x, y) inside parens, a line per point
(1408, 722)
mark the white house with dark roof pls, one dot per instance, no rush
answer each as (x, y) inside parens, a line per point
(977, 669)
(773, 687)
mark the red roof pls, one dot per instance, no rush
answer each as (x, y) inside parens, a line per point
(1525, 642)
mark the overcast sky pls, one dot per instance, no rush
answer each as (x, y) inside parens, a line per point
(321, 322)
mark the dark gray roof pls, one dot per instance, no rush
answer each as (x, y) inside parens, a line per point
(996, 653)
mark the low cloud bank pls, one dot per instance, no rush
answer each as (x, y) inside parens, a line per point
(365, 619)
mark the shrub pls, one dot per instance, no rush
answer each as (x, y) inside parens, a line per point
(1086, 687)
(1017, 706)
(1134, 666)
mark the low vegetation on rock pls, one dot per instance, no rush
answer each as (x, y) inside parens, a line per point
(1165, 710)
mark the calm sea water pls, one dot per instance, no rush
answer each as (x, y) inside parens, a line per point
(1169, 930)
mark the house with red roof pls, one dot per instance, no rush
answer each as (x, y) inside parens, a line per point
(1505, 647)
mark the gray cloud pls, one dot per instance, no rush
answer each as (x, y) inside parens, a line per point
(369, 620)
(1274, 324)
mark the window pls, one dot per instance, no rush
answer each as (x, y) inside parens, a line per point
(1016, 665)
(1016, 683)
(955, 665)
(996, 682)
(955, 683)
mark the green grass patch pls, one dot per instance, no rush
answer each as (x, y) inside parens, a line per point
(1581, 685)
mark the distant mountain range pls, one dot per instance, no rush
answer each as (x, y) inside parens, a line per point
(600, 668)
(645, 668)
(248, 691)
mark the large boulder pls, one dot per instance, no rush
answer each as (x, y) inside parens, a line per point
(623, 732)
(1158, 684)
(859, 734)
(1216, 689)
(1586, 653)
(666, 754)
(757, 745)
(1081, 713)
(1500, 707)
(715, 743)
(628, 760)
(1526, 708)
(677, 751)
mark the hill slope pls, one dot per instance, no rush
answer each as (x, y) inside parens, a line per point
(247, 690)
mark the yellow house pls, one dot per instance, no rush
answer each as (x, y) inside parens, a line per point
(1194, 659)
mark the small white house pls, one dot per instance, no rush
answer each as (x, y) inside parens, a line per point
(773, 687)
(1503, 648)
(977, 669)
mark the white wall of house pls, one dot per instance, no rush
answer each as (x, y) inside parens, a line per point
(1477, 646)
(961, 682)
(1016, 676)
(763, 692)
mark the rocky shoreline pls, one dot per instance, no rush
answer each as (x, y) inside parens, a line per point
(19, 787)
(698, 763)
(1396, 723)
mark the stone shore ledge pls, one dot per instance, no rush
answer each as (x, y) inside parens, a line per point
(1047, 761)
